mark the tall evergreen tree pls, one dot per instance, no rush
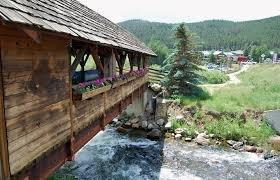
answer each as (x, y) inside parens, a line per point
(182, 64)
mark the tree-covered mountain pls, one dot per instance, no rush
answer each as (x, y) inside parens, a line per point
(214, 34)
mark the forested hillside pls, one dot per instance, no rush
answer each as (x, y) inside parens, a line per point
(214, 34)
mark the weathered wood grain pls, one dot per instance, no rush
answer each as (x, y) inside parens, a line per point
(36, 96)
(4, 155)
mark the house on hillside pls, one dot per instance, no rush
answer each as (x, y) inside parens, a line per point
(238, 52)
(206, 55)
(231, 56)
(45, 115)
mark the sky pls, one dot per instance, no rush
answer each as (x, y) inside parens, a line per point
(175, 11)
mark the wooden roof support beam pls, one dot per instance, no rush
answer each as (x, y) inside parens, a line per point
(131, 57)
(78, 59)
(33, 34)
(120, 57)
(145, 61)
(96, 58)
(83, 63)
(138, 60)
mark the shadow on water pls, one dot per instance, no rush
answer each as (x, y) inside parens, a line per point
(111, 155)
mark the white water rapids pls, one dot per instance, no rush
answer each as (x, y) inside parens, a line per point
(110, 155)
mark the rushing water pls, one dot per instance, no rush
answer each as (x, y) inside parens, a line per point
(110, 155)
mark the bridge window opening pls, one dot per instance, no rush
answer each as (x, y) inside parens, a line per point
(86, 72)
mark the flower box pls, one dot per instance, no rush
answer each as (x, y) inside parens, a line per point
(131, 78)
(90, 94)
(119, 83)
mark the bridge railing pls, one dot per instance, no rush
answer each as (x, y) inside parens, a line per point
(98, 102)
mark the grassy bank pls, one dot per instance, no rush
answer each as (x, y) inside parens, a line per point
(227, 128)
(259, 89)
(212, 77)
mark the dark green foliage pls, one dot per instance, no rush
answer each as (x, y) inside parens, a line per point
(257, 51)
(160, 49)
(215, 34)
(182, 64)
(212, 58)
(212, 77)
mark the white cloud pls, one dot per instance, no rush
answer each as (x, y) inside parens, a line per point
(184, 10)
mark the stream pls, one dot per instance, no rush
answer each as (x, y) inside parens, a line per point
(110, 155)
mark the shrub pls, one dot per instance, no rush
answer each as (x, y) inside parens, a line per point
(190, 130)
(235, 129)
(212, 77)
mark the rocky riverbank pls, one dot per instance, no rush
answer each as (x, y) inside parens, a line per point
(157, 128)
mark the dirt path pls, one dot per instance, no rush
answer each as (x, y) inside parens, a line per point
(233, 79)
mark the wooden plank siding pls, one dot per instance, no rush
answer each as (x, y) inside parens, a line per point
(88, 111)
(4, 156)
(36, 95)
(39, 118)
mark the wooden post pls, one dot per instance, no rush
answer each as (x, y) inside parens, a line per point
(79, 58)
(71, 155)
(104, 111)
(131, 57)
(120, 58)
(82, 63)
(4, 153)
(138, 58)
(113, 64)
(145, 62)
(96, 58)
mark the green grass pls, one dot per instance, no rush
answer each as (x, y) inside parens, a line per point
(213, 77)
(190, 130)
(227, 128)
(235, 129)
(259, 89)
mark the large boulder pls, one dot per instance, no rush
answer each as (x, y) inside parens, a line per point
(180, 117)
(135, 126)
(144, 124)
(154, 134)
(238, 145)
(168, 125)
(160, 122)
(188, 139)
(178, 136)
(122, 130)
(275, 142)
(179, 131)
(134, 121)
(150, 126)
(231, 142)
(269, 154)
(201, 140)
(127, 125)
(250, 148)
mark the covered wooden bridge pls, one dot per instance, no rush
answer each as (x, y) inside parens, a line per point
(48, 109)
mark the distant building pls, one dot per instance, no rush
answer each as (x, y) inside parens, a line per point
(238, 52)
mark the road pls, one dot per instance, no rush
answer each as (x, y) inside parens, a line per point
(273, 118)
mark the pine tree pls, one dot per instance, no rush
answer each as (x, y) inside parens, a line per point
(182, 64)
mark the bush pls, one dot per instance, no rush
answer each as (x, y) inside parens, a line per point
(190, 130)
(235, 129)
(212, 77)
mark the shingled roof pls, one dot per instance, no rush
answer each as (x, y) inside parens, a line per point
(73, 18)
